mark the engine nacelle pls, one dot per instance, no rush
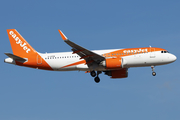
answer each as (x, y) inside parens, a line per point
(112, 63)
(122, 73)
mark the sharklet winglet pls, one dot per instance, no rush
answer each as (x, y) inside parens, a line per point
(62, 35)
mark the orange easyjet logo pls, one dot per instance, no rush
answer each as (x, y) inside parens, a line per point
(135, 51)
(18, 41)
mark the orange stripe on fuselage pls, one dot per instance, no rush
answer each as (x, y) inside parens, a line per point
(131, 51)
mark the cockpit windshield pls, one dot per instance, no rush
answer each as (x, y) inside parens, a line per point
(164, 52)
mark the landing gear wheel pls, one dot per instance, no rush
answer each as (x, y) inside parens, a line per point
(97, 79)
(93, 73)
(154, 73)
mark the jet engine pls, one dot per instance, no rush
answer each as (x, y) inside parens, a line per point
(113, 63)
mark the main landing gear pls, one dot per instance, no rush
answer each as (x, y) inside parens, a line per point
(93, 74)
(153, 73)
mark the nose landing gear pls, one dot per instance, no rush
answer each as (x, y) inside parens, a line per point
(93, 74)
(153, 73)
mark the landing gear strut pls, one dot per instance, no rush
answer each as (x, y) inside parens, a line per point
(93, 74)
(153, 73)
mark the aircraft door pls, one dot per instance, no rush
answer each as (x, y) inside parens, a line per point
(152, 53)
(39, 59)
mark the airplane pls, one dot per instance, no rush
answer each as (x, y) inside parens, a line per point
(113, 62)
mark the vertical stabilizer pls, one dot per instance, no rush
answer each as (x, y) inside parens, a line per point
(20, 46)
(23, 53)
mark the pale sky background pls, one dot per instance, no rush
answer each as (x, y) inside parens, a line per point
(30, 94)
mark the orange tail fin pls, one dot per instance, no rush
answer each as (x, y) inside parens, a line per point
(19, 45)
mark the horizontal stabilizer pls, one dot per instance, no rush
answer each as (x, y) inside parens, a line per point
(15, 57)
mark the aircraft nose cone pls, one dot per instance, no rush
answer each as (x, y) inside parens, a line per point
(173, 58)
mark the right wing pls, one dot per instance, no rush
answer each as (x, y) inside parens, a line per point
(89, 56)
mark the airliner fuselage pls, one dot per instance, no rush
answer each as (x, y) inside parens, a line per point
(66, 61)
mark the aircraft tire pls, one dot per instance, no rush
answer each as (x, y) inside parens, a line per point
(97, 79)
(93, 73)
(154, 73)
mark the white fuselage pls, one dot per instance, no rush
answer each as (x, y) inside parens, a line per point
(57, 61)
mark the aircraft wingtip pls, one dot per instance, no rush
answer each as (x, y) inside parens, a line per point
(62, 35)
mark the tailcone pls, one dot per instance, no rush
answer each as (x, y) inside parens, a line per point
(10, 61)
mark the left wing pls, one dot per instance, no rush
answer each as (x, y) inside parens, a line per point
(89, 56)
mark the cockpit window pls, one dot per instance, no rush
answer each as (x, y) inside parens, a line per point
(164, 52)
